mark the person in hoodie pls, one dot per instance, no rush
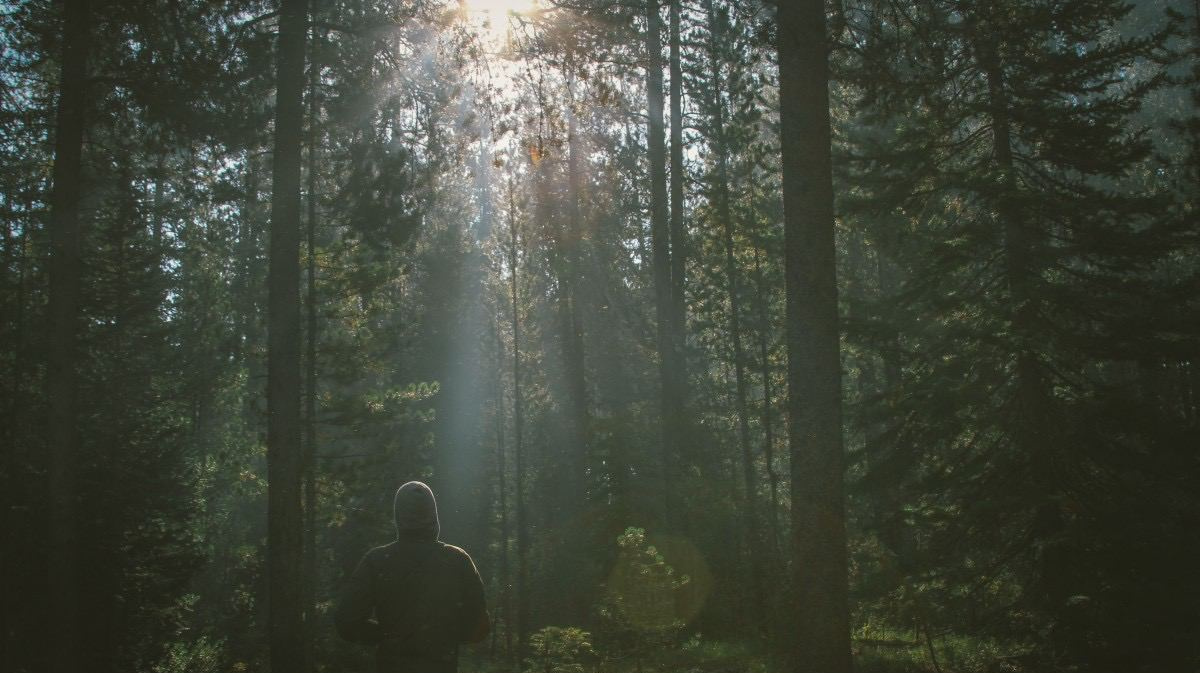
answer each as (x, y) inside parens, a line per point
(416, 599)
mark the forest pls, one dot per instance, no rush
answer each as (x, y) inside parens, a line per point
(733, 336)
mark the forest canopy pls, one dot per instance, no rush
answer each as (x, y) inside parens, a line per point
(731, 335)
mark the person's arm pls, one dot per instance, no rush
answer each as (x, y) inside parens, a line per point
(476, 622)
(356, 606)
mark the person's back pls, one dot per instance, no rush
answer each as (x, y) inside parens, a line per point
(416, 599)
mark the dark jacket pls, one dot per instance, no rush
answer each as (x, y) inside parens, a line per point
(416, 599)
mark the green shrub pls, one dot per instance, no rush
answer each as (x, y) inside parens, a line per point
(556, 649)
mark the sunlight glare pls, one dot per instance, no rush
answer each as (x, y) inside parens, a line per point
(498, 8)
(492, 18)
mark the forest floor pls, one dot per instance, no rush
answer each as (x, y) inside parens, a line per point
(884, 652)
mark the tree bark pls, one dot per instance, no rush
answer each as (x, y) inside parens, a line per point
(285, 571)
(14, 427)
(661, 254)
(677, 228)
(724, 212)
(768, 402)
(310, 374)
(1031, 399)
(247, 249)
(502, 505)
(522, 520)
(822, 643)
(572, 327)
(61, 374)
(1034, 431)
(889, 282)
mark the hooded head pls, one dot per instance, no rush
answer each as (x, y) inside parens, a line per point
(415, 512)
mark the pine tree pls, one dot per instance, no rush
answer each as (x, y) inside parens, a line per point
(1029, 259)
(62, 375)
(822, 640)
(661, 250)
(284, 459)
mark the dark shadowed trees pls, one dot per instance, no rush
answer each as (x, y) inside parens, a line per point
(660, 243)
(1014, 262)
(62, 377)
(1018, 265)
(822, 643)
(678, 228)
(285, 525)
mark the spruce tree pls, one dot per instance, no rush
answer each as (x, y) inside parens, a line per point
(993, 154)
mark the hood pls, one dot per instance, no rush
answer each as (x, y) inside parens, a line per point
(415, 512)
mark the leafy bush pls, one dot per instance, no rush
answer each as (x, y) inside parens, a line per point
(556, 649)
(197, 656)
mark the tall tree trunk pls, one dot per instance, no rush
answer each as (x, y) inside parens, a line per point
(733, 291)
(158, 217)
(889, 281)
(1032, 433)
(749, 477)
(61, 375)
(574, 354)
(677, 228)
(285, 573)
(768, 402)
(1018, 240)
(661, 253)
(572, 327)
(822, 643)
(522, 522)
(1016, 235)
(247, 250)
(310, 373)
(856, 292)
(502, 504)
(14, 469)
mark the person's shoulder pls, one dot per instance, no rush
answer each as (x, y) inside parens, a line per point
(457, 553)
(378, 554)
(452, 550)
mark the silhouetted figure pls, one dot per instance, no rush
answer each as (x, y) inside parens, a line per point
(416, 599)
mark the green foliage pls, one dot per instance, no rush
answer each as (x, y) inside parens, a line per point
(556, 649)
(1020, 350)
(198, 656)
(640, 605)
(993, 167)
(885, 649)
